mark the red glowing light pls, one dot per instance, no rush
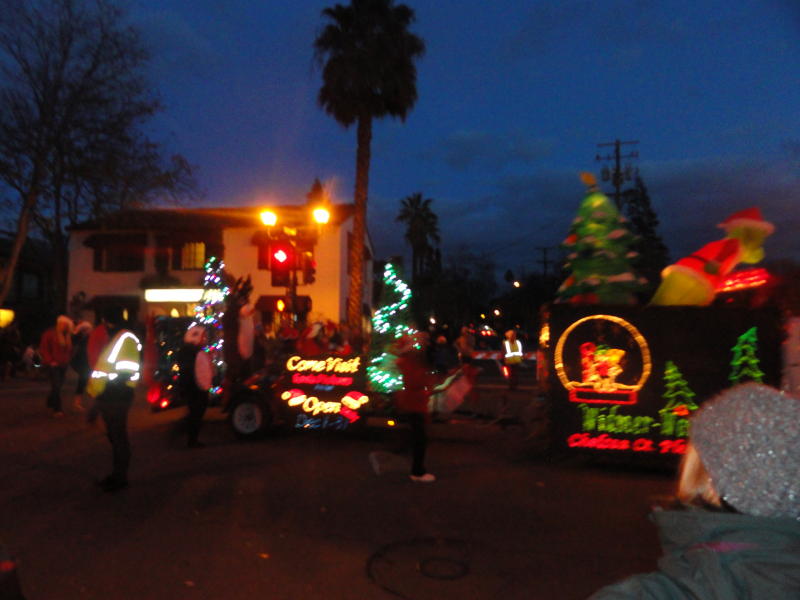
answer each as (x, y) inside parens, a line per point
(280, 256)
(741, 280)
(505, 371)
(154, 393)
(164, 403)
(606, 442)
(6, 566)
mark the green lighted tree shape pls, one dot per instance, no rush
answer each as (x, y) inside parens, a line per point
(680, 402)
(745, 363)
(599, 253)
(391, 321)
(209, 310)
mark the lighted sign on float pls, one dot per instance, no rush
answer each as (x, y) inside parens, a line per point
(600, 367)
(347, 406)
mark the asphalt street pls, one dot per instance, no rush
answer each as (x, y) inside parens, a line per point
(302, 516)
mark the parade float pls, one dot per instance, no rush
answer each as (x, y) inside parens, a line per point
(622, 379)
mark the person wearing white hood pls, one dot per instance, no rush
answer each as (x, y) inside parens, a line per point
(194, 380)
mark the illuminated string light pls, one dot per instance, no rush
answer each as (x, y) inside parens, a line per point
(389, 324)
(616, 393)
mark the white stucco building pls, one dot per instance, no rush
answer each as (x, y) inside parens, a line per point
(152, 261)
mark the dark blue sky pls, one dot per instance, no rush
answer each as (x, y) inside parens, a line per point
(514, 97)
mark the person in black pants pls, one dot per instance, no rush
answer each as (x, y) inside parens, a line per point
(117, 370)
(412, 400)
(194, 381)
(80, 361)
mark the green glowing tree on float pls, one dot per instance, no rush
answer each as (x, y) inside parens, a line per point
(745, 363)
(210, 309)
(391, 321)
(599, 253)
(680, 403)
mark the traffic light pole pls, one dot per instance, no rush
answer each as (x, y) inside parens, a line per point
(291, 296)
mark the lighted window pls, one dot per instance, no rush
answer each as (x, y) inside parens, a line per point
(193, 256)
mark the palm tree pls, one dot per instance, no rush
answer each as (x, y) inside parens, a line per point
(367, 58)
(423, 225)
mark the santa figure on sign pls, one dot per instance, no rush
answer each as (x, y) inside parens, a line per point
(693, 280)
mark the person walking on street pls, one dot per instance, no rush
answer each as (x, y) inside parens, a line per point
(112, 384)
(512, 358)
(56, 350)
(194, 380)
(733, 530)
(80, 361)
(465, 344)
(413, 399)
(441, 355)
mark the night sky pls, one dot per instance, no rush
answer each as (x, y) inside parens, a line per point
(514, 98)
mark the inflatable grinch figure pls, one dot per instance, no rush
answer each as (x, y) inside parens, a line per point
(599, 255)
(693, 280)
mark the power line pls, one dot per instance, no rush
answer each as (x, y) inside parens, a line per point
(619, 174)
(544, 262)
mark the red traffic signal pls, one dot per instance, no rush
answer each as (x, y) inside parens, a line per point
(282, 263)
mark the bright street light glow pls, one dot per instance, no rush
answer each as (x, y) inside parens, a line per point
(269, 218)
(497, 312)
(321, 216)
(516, 284)
(433, 321)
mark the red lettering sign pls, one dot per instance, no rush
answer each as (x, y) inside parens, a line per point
(299, 378)
(604, 442)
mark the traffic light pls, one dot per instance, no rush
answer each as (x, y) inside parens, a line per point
(309, 267)
(282, 263)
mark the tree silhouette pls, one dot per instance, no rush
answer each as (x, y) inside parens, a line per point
(643, 223)
(367, 56)
(422, 228)
(75, 103)
(745, 363)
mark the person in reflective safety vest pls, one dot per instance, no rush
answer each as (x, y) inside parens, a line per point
(513, 358)
(121, 358)
(112, 382)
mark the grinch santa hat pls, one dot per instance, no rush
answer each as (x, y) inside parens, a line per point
(749, 217)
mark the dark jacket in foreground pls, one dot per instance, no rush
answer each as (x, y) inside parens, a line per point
(718, 556)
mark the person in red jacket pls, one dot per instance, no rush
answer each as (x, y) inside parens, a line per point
(413, 399)
(56, 350)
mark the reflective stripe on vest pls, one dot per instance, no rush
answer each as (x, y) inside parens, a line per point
(518, 351)
(121, 355)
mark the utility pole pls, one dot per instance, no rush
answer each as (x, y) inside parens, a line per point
(619, 174)
(544, 262)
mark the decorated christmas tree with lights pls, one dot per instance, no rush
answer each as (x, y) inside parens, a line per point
(599, 255)
(745, 363)
(209, 311)
(391, 321)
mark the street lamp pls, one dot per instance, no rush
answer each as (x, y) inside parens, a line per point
(321, 215)
(269, 218)
(289, 251)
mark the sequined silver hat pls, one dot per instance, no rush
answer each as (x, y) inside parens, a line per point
(748, 438)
